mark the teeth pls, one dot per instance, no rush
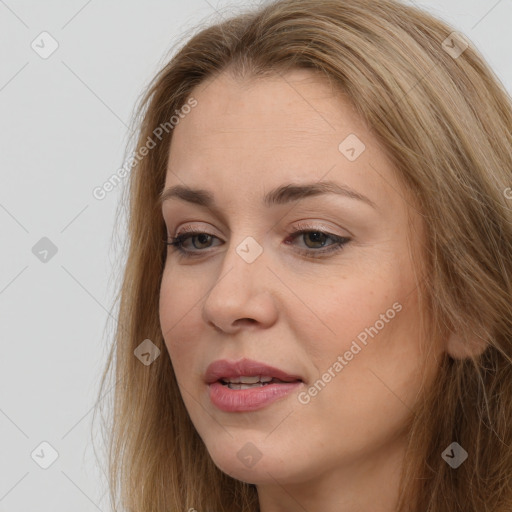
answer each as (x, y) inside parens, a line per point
(235, 385)
(250, 380)
(247, 380)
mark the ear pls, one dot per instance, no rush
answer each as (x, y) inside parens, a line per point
(459, 348)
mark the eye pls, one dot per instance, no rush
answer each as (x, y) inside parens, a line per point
(203, 241)
(314, 240)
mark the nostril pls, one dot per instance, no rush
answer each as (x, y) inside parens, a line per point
(244, 321)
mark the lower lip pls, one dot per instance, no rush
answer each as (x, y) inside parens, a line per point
(244, 400)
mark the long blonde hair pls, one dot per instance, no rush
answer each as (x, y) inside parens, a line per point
(446, 122)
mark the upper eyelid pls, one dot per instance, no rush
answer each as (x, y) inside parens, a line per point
(310, 225)
(296, 230)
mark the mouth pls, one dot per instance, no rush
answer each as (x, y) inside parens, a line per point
(246, 372)
(248, 382)
(246, 385)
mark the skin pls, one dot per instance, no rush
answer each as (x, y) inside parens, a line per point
(343, 450)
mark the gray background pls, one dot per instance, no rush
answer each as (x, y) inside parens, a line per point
(63, 131)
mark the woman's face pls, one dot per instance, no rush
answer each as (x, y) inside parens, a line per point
(334, 309)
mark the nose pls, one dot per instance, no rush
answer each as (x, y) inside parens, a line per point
(241, 294)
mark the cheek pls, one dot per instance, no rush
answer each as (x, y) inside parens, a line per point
(338, 312)
(350, 295)
(382, 353)
(180, 296)
(178, 312)
(373, 324)
(368, 393)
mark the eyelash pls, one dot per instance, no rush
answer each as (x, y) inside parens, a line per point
(339, 243)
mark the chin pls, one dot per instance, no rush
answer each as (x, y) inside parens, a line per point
(248, 463)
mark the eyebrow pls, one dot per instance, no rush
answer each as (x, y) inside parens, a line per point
(278, 196)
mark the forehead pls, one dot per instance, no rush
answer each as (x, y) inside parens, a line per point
(259, 121)
(256, 134)
(276, 110)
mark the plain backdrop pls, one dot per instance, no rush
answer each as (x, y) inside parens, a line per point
(63, 132)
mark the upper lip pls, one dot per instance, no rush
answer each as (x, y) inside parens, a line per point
(224, 369)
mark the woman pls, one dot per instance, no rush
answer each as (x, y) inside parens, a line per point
(316, 306)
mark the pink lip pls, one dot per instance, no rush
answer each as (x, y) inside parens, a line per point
(243, 400)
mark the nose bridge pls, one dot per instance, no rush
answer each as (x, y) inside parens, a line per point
(243, 266)
(240, 287)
